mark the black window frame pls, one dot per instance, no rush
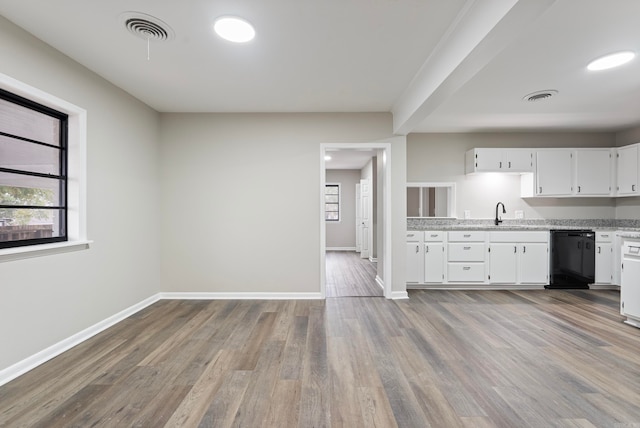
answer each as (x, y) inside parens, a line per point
(337, 204)
(61, 177)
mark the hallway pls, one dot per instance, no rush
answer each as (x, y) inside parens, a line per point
(350, 276)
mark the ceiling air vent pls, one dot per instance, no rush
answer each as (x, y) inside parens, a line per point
(146, 27)
(540, 95)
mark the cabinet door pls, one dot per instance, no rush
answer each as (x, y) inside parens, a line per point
(488, 160)
(604, 262)
(630, 287)
(502, 263)
(534, 263)
(517, 161)
(554, 172)
(594, 172)
(434, 262)
(415, 263)
(627, 160)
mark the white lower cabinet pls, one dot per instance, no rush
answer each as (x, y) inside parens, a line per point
(425, 257)
(518, 257)
(415, 257)
(466, 257)
(433, 262)
(604, 258)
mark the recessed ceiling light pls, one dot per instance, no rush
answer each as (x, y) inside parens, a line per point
(327, 157)
(611, 60)
(234, 29)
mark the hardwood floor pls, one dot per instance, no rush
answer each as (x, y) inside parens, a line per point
(350, 276)
(548, 358)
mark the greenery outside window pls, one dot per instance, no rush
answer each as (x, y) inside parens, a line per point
(332, 202)
(33, 172)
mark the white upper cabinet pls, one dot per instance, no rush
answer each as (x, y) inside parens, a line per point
(594, 169)
(554, 173)
(627, 162)
(499, 160)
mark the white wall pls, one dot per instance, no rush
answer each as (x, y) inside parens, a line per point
(47, 299)
(342, 234)
(241, 197)
(440, 157)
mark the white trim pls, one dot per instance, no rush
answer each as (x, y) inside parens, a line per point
(472, 287)
(18, 253)
(385, 148)
(341, 249)
(76, 170)
(398, 295)
(238, 296)
(373, 259)
(53, 351)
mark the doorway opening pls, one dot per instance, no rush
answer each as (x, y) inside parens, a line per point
(355, 220)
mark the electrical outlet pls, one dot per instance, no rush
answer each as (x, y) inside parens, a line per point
(519, 214)
(467, 214)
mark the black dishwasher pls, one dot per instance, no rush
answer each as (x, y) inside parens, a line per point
(573, 259)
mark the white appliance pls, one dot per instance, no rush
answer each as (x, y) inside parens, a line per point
(630, 282)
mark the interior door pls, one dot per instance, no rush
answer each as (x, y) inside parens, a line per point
(365, 223)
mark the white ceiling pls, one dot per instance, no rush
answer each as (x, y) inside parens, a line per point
(437, 65)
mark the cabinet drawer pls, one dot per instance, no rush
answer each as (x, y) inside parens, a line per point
(604, 236)
(466, 252)
(467, 236)
(414, 236)
(465, 272)
(519, 236)
(431, 236)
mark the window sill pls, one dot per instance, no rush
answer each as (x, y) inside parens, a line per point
(18, 253)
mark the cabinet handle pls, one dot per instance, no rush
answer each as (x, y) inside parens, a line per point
(500, 165)
(411, 235)
(509, 164)
(515, 249)
(524, 249)
(434, 235)
(417, 249)
(599, 250)
(466, 268)
(467, 236)
(426, 249)
(578, 189)
(466, 248)
(540, 192)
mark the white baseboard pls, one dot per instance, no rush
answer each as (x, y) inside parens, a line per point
(396, 295)
(461, 286)
(380, 282)
(341, 248)
(240, 296)
(373, 259)
(29, 363)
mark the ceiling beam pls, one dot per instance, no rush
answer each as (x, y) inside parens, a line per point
(481, 31)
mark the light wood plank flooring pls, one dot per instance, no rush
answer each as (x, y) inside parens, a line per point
(350, 276)
(548, 358)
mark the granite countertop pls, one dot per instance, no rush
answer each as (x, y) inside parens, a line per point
(624, 228)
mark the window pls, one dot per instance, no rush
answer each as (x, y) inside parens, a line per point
(332, 202)
(33, 172)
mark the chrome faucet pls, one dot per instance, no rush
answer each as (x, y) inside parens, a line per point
(498, 220)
